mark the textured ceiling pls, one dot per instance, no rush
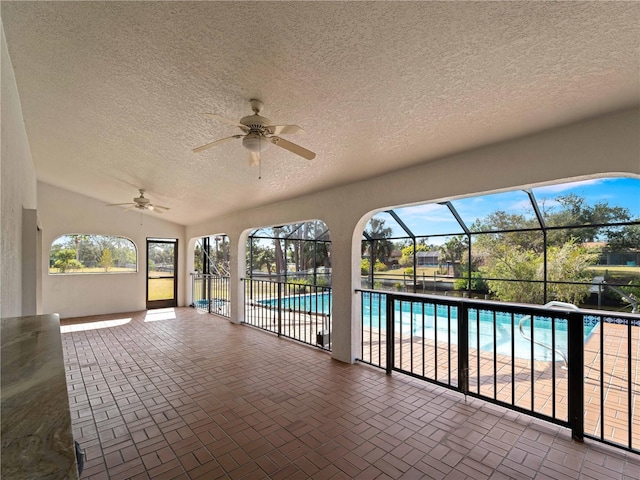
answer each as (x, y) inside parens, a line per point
(112, 91)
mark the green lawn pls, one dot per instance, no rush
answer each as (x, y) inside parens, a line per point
(216, 291)
(399, 272)
(615, 270)
(616, 273)
(160, 288)
(56, 271)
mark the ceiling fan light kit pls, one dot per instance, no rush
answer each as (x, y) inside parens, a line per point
(141, 203)
(259, 135)
(255, 142)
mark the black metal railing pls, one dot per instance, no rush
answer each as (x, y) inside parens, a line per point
(211, 293)
(294, 310)
(576, 368)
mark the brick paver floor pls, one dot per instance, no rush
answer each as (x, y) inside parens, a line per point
(180, 394)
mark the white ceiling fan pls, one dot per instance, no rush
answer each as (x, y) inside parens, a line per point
(259, 134)
(141, 203)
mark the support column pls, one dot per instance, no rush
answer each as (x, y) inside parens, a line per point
(345, 259)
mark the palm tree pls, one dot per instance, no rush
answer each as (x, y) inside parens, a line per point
(451, 251)
(380, 247)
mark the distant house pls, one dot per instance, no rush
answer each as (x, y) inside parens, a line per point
(393, 260)
(427, 259)
(629, 258)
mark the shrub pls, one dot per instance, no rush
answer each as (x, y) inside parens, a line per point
(477, 283)
(364, 266)
(301, 284)
(379, 266)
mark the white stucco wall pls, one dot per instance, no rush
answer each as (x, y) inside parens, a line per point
(17, 192)
(605, 146)
(62, 212)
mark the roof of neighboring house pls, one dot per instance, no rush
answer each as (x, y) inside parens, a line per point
(430, 253)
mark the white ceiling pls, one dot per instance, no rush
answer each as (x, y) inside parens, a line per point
(112, 92)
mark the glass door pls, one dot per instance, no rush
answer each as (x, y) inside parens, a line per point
(162, 267)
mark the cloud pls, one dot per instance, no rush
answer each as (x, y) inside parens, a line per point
(563, 187)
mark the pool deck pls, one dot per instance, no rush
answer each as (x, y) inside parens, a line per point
(612, 423)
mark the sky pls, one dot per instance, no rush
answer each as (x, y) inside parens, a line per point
(434, 219)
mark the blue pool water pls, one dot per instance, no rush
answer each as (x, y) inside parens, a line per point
(440, 323)
(316, 303)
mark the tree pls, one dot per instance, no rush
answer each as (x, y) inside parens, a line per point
(281, 265)
(379, 247)
(65, 259)
(452, 250)
(624, 238)
(511, 274)
(572, 210)
(106, 260)
(266, 257)
(78, 240)
(478, 283)
(516, 274)
(365, 266)
(507, 228)
(197, 258)
(407, 254)
(569, 263)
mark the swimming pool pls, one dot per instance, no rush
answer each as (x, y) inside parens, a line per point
(440, 323)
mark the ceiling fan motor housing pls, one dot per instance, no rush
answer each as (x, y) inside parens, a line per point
(256, 122)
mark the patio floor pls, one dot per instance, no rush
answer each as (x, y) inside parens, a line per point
(175, 393)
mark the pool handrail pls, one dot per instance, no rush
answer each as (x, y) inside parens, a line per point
(549, 305)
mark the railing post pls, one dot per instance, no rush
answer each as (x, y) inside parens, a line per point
(279, 308)
(463, 348)
(575, 332)
(390, 333)
(208, 281)
(193, 290)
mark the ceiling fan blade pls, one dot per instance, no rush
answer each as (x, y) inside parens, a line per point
(284, 129)
(254, 159)
(119, 204)
(161, 207)
(154, 208)
(213, 144)
(227, 120)
(293, 148)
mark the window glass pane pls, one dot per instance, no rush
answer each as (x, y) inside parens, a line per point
(161, 270)
(80, 253)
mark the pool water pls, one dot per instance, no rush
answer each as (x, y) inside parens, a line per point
(440, 323)
(316, 303)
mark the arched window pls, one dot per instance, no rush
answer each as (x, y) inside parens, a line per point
(83, 253)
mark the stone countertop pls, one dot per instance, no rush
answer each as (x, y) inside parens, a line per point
(37, 438)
